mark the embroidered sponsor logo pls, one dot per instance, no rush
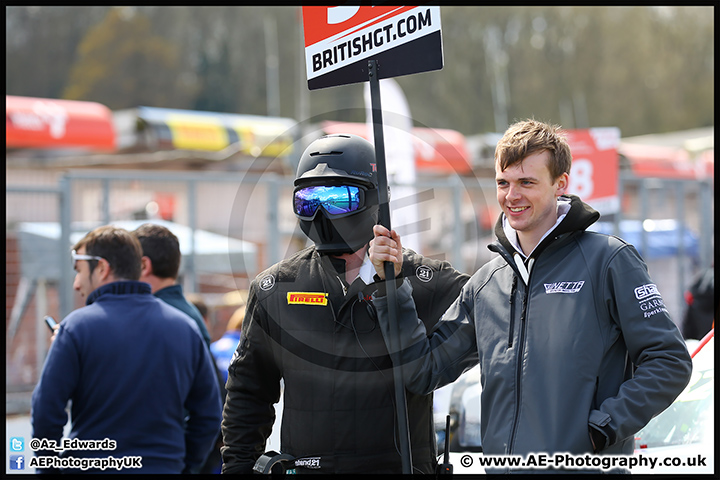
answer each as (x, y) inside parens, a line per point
(424, 273)
(304, 298)
(564, 287)
(361, 173)
(267, 282)
(646, 291)
(649, 299)
(310, 462)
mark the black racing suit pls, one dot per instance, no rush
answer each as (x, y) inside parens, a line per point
(306, 326)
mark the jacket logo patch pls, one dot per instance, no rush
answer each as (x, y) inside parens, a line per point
(308, 462)
(267, 282)
(646, 291)
(564, 287)
(305, 298)
(424, 273)
(649, 299)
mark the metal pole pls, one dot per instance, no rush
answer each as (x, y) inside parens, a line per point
(457, 258)
(706, 223)
(106, 201)
(681, 253)
(273, 222)
(41, 306)
(644, 251)
(191, 283)
(384, 220)
(272, 80)
(66, 273)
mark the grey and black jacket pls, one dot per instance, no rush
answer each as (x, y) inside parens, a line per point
(305, 326)
(586, 345)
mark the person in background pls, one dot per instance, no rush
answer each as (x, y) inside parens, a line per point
(135, 369)
(197, 300)
(576, 348)
(160, 268)
(701, 305)
(310, 325)
(224, 348)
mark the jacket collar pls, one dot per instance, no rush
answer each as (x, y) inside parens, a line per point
(125, 287)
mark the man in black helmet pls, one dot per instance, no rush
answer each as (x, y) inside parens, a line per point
(309, 324)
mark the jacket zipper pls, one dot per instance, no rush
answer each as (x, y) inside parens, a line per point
(512, 312)
(518, 371)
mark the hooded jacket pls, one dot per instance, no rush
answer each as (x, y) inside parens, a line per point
(583, 344)
(306, 327)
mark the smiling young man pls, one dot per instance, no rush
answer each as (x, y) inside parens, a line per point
(135, 369)
(573, 359)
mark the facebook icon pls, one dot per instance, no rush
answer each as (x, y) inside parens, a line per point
(17, 462)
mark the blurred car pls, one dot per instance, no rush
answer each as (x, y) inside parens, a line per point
(461, 401)
(682, 438)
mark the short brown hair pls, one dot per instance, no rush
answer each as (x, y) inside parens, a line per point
(529, 137)
(116, 245)
(162, 247)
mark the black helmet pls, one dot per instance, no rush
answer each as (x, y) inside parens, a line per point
(340, 160)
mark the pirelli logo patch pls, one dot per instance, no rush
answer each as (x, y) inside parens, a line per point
(307, 298)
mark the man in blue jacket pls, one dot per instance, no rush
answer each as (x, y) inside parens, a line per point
(133, 368)
(160, 268)
(576, 348)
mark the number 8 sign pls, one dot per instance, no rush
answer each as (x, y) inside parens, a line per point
(595, 168)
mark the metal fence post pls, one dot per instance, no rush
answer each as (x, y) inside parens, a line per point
(617, 218)
(706, 222)
(41, 308)
(192, 279)
(106, 201)
(458, 231)
(643, 217)
(680, 215)
(65, 278)
(272, 217)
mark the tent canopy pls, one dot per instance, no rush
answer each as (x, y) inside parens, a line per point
(254, 135)
(50, 123)
(40, 248)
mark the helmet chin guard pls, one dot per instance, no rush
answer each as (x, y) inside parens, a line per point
(340, 235)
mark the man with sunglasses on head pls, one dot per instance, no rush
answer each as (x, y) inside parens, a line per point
(309, 324)
(136, 370)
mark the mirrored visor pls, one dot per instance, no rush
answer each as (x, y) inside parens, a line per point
(336, 200)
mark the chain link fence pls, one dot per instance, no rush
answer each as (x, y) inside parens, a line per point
(233, 225)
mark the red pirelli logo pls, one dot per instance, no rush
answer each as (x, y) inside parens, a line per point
(305, 298)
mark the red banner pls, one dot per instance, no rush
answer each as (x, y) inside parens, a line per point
(49, 123)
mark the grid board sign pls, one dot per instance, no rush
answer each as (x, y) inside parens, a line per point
(339, 42)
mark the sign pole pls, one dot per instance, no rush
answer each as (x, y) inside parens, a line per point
(384, 220)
